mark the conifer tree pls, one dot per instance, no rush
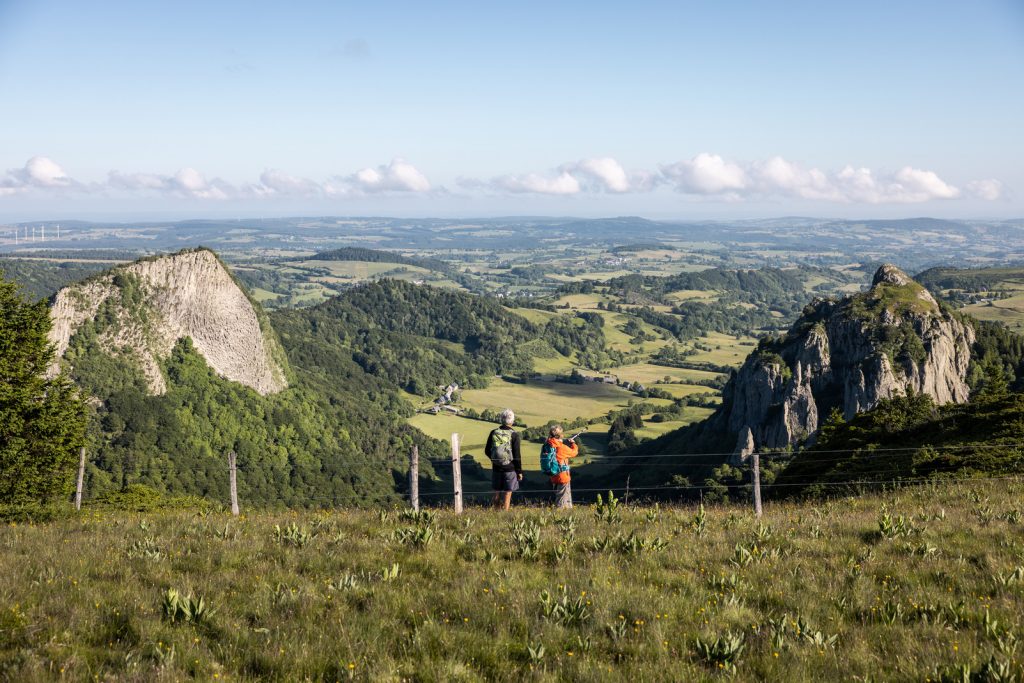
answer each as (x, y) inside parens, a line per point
(42, 420)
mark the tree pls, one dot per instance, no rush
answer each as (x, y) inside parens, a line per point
(42, 420)
(993, 384)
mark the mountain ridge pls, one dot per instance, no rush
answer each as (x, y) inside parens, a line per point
(140, 310)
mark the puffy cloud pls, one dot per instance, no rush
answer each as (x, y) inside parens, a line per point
(42, 171)
(398, 176)
(276, 182)
(989, 189)
(39, 172)
(710, 174)
(906, 186)
(705, 174)
(606, 172)
(187, 183)
(599, 174)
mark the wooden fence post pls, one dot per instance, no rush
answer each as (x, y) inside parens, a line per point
(457, 473)
(234, 483)
(756, 462)
(81, 479)
(414, 478)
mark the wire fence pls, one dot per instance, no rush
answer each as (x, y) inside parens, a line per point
(866, 456)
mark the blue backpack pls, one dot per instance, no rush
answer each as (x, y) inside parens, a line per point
(549, 463)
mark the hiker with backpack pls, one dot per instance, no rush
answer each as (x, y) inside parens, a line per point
(554, 462)
(506, 463)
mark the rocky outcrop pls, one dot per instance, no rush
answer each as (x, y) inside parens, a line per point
(139, 311)
(847, 354)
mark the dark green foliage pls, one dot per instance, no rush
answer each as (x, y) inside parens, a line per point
(294, 448)
(967, 280)
(621, 434)
(413, 337)
(335, 436)
(40, 279)
(911, 438)
(42, 421)
(376, 256)
(994, 344)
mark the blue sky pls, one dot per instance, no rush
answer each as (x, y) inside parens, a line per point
(662, 109)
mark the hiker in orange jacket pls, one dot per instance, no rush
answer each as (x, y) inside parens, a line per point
(564, 451)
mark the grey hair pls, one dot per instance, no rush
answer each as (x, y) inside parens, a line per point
(507, 417)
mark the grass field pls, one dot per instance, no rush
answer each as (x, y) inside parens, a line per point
(358, 270)
(681, 390)
(652, 430)
(582, 302)
(472, 434)
(726, 349)
(535, 315)
(647, 373)
(921, 584)
(537, 402)
(1009, 311)
(559, 365)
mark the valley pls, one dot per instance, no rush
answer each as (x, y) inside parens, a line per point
(602, 323)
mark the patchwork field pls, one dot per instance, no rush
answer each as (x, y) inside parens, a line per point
(914, 585)
(538, 402)
(647, 373)
(1008, 311)
(725, 349)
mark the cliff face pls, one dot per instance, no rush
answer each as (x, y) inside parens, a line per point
(847, 354)
(139, 311)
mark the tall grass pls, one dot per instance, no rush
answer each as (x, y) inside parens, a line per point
(917, 584)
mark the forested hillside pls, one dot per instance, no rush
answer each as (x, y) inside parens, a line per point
(334, 436)
(895, 325)
(40, 279)
(377, 256)
(911, 438)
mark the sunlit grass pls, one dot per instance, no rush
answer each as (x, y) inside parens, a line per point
(911, 585)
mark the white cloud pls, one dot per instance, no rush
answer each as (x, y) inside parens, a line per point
(39, 172)
(781, 176)
(42, 171)
(606, 172)
(989, 189)
(186, 183)
(705, 174)
(276, 182)
(398, 176)
(710, 174)
(599, 174)
(562, 184)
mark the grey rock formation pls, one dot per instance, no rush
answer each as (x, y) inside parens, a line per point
(150, 304)
(848, 354)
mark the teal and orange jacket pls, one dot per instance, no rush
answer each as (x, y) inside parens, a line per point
(563, 453)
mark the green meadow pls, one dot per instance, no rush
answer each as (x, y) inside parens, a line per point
(916, 584)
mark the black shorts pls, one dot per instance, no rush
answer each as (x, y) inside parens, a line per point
(504, 481)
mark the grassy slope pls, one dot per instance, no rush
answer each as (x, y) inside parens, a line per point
(81, 601)
(1009, 311)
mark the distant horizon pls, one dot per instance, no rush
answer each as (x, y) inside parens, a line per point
(161, 217)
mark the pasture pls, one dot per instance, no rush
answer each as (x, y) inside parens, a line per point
(918, 584)
(537, 402)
